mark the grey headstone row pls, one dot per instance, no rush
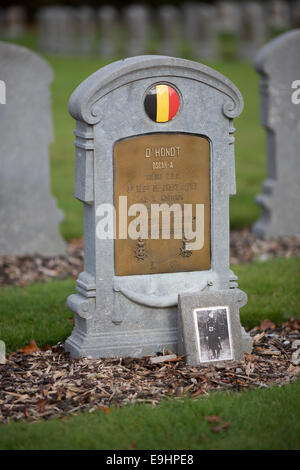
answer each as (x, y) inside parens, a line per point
(194, 29)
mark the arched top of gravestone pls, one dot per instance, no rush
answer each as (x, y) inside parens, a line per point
(83, 104)
(15, 54)
(278, 51)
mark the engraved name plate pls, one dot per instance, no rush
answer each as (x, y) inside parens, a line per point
(162, 168)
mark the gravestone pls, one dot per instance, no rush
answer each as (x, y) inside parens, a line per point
(169, 25)
(85, 29)
(28, 214)
(279, 16)
(2, 352)
(200, 25)
(296, 14)
(154, 131)
(43, 20)
(107, 20)
(206, 42)
(279, 69)
(15, 21)
(136, 22)
(64, 23)
(228, 16)
(253, 29)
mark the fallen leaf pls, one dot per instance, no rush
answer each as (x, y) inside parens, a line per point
(31, 348)
(106, 409)
(267, 325)
(41, 405)
(213, 419)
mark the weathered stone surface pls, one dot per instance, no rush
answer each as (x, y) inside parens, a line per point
(28, 214)
(192, 343)
(2, 352)
(136, 315)
(279, 69)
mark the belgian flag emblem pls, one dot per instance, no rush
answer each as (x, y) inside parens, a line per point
(162, 103)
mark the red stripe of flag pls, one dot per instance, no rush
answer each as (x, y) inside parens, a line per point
(173, 102)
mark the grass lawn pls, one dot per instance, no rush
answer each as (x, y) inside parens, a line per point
(253, 419)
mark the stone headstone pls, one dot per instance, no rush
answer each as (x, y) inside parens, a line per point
(57, 30)
(28, 214)
(85, 30)
(44, 29)
(279, 16)
(200, 26)
(209, 328)
(108, 22)
(137, 23)
(15, 21)
(279, 69)
(169, 25)
(296, 14)
(228, 17)
(206, 42)
(253, 29)
(65, 23)
(2, 352)
(154, 131)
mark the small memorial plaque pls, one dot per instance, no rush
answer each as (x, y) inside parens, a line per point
(208, 327)
(162, 170)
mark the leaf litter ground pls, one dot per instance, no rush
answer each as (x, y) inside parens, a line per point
(38, 384)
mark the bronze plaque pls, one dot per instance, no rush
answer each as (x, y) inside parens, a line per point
(156, 169)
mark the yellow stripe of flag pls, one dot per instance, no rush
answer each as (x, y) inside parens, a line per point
(162, 112)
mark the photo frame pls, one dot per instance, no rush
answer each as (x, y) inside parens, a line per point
(209, 328)
(213, 333)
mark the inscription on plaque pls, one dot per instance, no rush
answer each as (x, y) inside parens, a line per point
(163, 173)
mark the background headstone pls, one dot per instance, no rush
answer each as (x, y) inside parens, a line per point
(278, 16)
(137, 23)
(108, 24)
(2, 352)
(206, 42)
(15, 22)
(28, 214)
(169, 25)
(253, 29)
(228, 13)
(278, 66)
(85, 30)
(296, 14)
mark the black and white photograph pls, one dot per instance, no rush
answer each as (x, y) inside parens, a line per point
(213, 333)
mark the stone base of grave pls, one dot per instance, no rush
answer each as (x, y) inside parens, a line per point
(87, 339)
(130, 344)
